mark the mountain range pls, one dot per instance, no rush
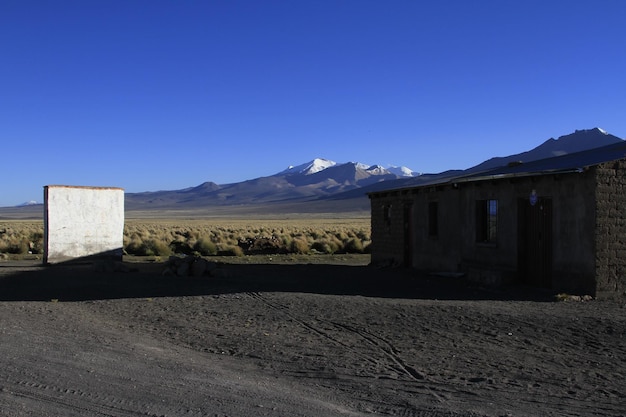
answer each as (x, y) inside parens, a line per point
(315, 180)
(578, 141)
(322, 185)
(325, 180)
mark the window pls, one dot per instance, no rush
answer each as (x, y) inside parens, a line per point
(486, 221)
(433, 219)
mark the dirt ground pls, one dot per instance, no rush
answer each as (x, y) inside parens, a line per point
(299, 339)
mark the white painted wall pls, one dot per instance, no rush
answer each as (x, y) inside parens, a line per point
(82, 221)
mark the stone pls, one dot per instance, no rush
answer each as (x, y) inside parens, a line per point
(198, 267)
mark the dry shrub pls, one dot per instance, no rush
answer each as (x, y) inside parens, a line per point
(230, 250)
(353, 245)
(205, 246)
(328, 245)
(21, 237)
(16, 246)
(299, 245)
(208, 237)
(158, 248)
(181, 247)
(134, 246)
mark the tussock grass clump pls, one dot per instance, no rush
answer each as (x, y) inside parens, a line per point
(205, 246)
(250, 237)
(327, 245)
(353, 245)
(299, 245)
(230, 250)
(21, 237)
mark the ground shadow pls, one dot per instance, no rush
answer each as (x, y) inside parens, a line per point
(30, 281)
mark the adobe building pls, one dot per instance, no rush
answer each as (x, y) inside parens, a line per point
(83, 223)
(556, 223)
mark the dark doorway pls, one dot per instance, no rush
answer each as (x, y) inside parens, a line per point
(408, 234)
(535, 241)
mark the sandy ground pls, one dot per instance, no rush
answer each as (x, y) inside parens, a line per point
(299, 340)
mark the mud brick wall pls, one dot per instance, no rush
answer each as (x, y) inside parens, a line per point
(610, 239)
(387, 224)
(83, 222)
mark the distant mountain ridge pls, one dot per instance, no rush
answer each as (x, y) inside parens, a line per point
(322, 179)
(316, 179)
(578, 141)
(322, 184)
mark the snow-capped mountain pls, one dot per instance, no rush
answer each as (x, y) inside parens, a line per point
(316, 165)
(403, 171)
(320, 164)
(377, 170)
(312, 180)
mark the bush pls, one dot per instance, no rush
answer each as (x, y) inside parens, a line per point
(182, 247)
(327, 246)
(205, 247)
(134, 246)
(206, 238)
(36, 242)
(158, 248)
(353, 245)
(299, 245)
(150, 247)
(230, 250)
(17, 246)
(368, 247)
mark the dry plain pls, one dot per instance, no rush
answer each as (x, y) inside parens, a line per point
(299, 335)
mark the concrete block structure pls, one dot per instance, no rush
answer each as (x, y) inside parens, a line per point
(556, 223)
(83, 223)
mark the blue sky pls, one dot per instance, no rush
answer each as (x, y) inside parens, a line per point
(159, 95)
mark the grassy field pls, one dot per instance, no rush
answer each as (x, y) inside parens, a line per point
(215, 237)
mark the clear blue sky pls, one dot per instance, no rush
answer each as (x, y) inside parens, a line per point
(160, 95)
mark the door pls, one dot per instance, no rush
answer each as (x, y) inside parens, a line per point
(535, 241)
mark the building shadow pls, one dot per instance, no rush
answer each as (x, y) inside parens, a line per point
(81, 281)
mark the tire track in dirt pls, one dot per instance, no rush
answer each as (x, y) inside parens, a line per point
(54, 398)
(416, 380)
(386, 348)
(515, 369)
(57, 386)
(76, 359)
(326, 335)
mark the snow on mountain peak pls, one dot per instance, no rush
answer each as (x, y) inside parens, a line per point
(377, 170)
(602, 130)
(402, 171)
(381, 170)
(320, 164)
(316, 165)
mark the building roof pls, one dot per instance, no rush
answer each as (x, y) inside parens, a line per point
(574, 162)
